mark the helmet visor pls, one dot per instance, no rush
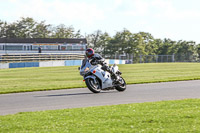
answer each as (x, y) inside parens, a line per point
(89, 53)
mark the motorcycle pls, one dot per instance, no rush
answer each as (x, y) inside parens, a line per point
(97, 79)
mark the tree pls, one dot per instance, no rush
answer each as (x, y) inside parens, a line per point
(3, 26)
(93, 39)
(25, 28)
(78, 34)
(186, 51)
(29, 28)
(198, 51)
(10, 31)
(42, 30)
(61, 31)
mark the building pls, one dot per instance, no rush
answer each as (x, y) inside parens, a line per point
(47, 45)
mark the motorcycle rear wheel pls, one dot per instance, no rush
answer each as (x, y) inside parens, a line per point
(92, 86)
(121, 87)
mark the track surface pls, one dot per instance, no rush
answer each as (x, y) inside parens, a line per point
(74, 98)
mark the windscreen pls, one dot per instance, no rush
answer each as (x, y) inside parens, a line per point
(85, 63)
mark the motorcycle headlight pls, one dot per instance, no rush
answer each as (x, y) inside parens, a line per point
(86, 69)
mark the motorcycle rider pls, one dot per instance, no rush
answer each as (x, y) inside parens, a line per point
(98, 59)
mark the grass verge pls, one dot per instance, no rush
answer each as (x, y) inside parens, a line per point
(52, 78)
(167, 116)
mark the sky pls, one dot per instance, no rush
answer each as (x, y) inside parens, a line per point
(174, 19)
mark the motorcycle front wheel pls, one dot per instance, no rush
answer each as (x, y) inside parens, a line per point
(93, 85)
(122, 85)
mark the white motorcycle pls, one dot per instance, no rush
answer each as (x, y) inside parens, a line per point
(97, 79)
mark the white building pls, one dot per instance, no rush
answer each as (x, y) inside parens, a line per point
(48, 45)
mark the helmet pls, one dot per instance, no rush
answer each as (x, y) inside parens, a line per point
(89, 52)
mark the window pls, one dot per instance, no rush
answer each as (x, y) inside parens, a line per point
(35, 47)
(69, 47)
(13, 47)
(45, 47)
(63, 47)
(51, 47)
(1, 47)
(79, 47)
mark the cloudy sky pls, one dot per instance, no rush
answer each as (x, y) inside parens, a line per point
(175, 19)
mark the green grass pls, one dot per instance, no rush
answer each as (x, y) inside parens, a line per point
(34, 79)
(51, 78)
(181, 116)
(161, 72)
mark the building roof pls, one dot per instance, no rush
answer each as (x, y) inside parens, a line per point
(43, 40)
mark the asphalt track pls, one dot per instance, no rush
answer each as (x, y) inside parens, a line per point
(82, 97)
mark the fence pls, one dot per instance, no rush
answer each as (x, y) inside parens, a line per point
(147, 58)
(51, 63)
(40, 57)
(184, 57)
(156, 58)
(164, 58)
(37, 57)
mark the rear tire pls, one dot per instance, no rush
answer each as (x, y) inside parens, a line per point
(121, 87)
(92, 86)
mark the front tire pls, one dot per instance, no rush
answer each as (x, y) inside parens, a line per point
(92, 86)
(122, 86)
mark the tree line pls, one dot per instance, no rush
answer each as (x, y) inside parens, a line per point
(124, 43)
(143, 43)
(29, 28)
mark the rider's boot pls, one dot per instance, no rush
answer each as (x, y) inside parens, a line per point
(115, 76)
(119, 73)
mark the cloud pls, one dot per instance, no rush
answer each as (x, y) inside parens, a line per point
(162, 9)
(79, 11)
(159, 17)
(181, 15)
(117, 3)
(161, 3)
(133, 7)
(88, 12)
(12, 1)
(168, 10)
(57, 10)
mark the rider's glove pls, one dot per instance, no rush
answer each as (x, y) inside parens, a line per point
(94, 63)
(101, 62)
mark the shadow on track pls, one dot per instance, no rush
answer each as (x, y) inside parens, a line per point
(74, 94)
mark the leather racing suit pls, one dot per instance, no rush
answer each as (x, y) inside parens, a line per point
(98, 59)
